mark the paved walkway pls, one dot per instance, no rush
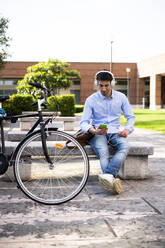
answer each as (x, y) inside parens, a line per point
(94, 219)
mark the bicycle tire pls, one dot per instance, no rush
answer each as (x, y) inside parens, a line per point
(47, 185)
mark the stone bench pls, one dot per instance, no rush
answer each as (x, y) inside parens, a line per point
(136, 164)
(134, 167)
(65, 123)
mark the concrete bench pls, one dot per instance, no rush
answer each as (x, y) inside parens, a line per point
(136, 163)
(66, 123)
(135, 166)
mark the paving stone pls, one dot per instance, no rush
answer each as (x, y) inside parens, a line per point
(60, 230)
(95, 218)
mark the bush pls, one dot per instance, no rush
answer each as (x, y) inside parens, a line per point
(52, 103)
(66, 104)
(18, 103)
(79, 108)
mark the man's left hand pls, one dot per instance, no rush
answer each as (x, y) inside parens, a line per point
(123, 133)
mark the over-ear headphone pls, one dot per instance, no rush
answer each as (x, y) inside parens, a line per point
(112, 82)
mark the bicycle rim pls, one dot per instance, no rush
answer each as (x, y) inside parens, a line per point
(53, 184)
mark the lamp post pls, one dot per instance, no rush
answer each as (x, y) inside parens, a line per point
(128, 71)
(111, 57)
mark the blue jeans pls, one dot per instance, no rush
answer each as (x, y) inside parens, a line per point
(99, 144)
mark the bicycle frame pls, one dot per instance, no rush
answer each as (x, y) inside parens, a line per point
(42, 128)
(58, 175)
(14, 118)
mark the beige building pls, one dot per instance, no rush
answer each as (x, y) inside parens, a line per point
(151, 74)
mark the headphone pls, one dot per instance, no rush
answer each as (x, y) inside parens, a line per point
(113, 79)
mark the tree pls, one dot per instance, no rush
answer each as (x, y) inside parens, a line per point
(53, 74)
(4, 40)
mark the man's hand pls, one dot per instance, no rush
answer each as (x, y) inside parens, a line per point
(123, 133)
(98, 131)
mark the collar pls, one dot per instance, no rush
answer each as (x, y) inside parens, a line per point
(103, 97)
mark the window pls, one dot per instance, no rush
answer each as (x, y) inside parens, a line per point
(122, 82)
(77, 95)
(147, 82)
(8, 82)
(121, 85)
(123, 91)
(8, 86)
(7, 92)
(76, 82)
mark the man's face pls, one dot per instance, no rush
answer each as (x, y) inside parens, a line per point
(105, 88)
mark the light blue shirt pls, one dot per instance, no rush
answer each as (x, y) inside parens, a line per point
(100, 109)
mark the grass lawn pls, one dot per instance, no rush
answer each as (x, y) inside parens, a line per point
(149, 119)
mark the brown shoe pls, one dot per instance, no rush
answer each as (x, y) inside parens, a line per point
(117, 187)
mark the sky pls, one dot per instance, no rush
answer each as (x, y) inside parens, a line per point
(82, 30)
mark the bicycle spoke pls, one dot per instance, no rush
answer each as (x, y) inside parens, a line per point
(57, 183)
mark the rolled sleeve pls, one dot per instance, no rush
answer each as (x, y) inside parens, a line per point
(129, 115)
(86, 117)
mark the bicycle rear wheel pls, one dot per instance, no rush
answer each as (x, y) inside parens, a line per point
(43, 182)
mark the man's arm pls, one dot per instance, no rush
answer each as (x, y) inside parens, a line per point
(86, 117)
(85, 124)
(129, 115)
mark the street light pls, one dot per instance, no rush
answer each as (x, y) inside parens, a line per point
(128, 71)
(111, 56)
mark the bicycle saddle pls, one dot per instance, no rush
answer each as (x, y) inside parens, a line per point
(4, 98)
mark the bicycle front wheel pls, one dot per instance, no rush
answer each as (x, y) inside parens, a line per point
(53, 183)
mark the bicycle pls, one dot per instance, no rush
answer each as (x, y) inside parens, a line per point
(45, 168)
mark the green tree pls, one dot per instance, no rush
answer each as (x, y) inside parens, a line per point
(4, 40)
(53, 74)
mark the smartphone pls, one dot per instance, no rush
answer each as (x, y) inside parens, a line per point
(103, 126)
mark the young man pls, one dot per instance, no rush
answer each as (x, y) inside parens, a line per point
(106, 107)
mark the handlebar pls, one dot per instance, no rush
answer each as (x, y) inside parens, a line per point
(38, 85)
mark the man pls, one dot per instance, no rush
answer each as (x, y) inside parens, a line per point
(106, 107)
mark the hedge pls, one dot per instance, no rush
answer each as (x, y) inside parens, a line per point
(79, 108)
(18, 103)
(66, 104)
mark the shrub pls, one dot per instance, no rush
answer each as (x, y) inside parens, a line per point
(79, 108)
(66, 104)
(18, 103)
(52, 103)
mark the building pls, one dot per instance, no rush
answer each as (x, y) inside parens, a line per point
(143, 83)
(151, 78)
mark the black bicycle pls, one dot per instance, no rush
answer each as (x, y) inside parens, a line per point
(46, 169)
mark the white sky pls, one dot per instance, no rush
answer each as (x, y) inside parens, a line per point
(81, 30)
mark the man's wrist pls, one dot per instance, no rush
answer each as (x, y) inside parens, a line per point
(127, 130)
(92, 130)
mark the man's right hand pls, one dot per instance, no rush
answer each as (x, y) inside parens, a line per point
(98, 131)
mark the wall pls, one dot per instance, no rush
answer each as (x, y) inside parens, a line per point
(87, 71)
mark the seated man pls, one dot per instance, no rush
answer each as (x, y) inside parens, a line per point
(106, 107)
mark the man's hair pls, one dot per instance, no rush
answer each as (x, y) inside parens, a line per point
(104, 75)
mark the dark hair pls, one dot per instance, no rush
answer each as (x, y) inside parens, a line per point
(104, 75)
